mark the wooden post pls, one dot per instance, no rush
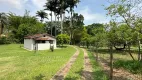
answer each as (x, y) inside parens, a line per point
(96, 53)
(111, 63)
(139, 54)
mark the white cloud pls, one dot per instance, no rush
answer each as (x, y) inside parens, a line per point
(93, 17)
(15, 4)
(39, 3)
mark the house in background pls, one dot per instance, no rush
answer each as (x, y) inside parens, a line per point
(39, 42)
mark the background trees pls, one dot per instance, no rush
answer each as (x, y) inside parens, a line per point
(3, 21)
(42, 15)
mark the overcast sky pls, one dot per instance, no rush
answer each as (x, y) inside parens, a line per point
(92, 10)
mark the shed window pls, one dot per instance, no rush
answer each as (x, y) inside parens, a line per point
(43, 41)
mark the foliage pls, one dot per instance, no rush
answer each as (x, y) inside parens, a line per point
(20, 26)
(132, 66)
(42, 15)
(62, 39)
(97, 34)
(28, 29)
(3, 21)
(4, 40)
(75, 30)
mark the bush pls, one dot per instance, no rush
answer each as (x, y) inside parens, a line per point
(4, 40)
(132, 66)
(63, 39)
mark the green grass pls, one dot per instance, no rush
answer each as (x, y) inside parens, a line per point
(98, 73)
(122, 59)
(134, 67)
(76, 69)
(123, 55)
(19, 64)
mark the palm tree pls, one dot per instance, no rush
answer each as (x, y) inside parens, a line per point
(3, 21)
(61, 8)
(51, 5)
(42, 15)
(72, 4)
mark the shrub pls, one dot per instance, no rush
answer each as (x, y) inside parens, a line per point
(62, 39)
(4, 40)
(132, 66)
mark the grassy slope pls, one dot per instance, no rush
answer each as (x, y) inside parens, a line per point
(98, 74)
(76, 69)
(17, 63)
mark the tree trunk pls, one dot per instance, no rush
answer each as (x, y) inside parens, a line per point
(130, 52)
(61, 24)
(2, 27)
(71, 28)
(96, 53)
(55, 25)
(141, 58)
(51, 23)
(111, 63)
(70, 38)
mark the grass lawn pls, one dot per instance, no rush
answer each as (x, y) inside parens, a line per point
(122, 55)
(76, 69)
(122, 59)
(98, 73)
(19, 64)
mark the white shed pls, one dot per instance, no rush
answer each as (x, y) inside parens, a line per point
(39, 42)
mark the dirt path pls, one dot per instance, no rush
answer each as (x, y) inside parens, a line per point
(63, 71)
(118, 74)
(87, 71)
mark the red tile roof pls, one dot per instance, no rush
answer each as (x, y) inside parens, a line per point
(44, 36)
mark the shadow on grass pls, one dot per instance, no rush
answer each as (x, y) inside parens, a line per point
(62, 46)
(134, 67)
(71, 78)
(39, 77)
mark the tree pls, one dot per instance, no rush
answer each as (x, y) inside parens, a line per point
(128, 10)
(21, 26)
(63, 7)
(50, 5)
(62, 39)
(28, 29)
(72, 4)
(3, 21)
(42, 15)
(77, 24)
